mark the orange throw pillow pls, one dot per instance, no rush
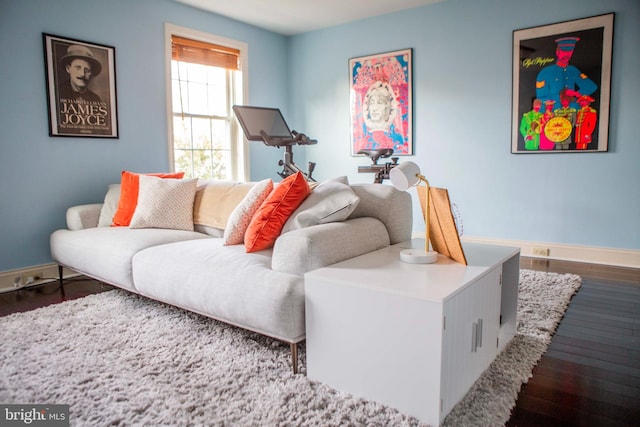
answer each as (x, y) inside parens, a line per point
(267, 222)
(129, 185)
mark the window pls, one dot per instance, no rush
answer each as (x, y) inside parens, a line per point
(206, 75)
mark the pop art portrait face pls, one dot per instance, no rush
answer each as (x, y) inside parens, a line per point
(380, 106)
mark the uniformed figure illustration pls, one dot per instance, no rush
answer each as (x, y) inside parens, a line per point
(530, 127)
(81, 66)
(586, 120)
(568, 113)
(552, 79)
(545, 142)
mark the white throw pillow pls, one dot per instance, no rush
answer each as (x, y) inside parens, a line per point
(165, 203)
(331, 201)
(241, 216)
(109, 206)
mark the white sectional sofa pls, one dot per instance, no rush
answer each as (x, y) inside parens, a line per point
(261, 291)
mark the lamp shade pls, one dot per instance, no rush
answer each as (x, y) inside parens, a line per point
(404, 175)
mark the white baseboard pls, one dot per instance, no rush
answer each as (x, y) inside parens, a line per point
(588, 254)
(45, 273)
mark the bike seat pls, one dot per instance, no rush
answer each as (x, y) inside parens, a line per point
(374, 155)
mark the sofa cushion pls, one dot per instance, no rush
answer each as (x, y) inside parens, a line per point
(105, 253)
(225, 283)
(216, 200)
(209, 231)
(129, 186)
(165, 203)
(391, 206)
(310, 248)
(243, 213)
(267, 223)
(109, 206)
(332, 200)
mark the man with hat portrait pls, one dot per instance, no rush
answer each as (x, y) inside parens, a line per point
(560, 76)
(81, 65)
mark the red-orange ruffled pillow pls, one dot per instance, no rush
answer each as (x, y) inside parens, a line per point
(267, 222)
(129, 186)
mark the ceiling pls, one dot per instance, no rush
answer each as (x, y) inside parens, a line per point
(291, 17)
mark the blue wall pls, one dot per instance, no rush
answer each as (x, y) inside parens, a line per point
(41, 176)
(462, 121)
(462, 118)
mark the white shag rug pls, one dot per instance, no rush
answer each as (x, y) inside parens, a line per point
(122, 360)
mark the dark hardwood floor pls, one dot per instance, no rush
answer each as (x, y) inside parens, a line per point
(589, 376)
(30, 298)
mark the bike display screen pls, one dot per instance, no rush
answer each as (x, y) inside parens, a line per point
(256, 119)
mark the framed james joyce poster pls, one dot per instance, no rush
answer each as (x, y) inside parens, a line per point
(381, 102)
(561, 86)
(81, 88)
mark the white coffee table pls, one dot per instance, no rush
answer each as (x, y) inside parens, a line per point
(414, 337)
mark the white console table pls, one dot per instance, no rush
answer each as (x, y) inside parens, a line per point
(414, 337)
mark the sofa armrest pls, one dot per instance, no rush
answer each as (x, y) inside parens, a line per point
(83, 216)
(306, 249)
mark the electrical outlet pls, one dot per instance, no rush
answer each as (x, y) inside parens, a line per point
(31, 278)
(540, 251)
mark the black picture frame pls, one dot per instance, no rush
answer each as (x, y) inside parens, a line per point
(81, 88)
(562, 86)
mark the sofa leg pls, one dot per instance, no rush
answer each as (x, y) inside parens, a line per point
(294, 356)
(61, 282)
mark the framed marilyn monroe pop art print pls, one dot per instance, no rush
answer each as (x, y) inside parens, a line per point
(381, 102)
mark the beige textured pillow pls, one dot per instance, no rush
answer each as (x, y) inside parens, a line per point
(241, 216)
(215, 200)
(165, 203)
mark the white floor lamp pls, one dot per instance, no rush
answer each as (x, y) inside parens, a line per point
(403, 176)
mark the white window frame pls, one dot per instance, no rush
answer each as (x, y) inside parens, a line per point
(239, 155)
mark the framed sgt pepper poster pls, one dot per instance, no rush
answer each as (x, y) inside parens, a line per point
(81, 88)
(561, 86)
